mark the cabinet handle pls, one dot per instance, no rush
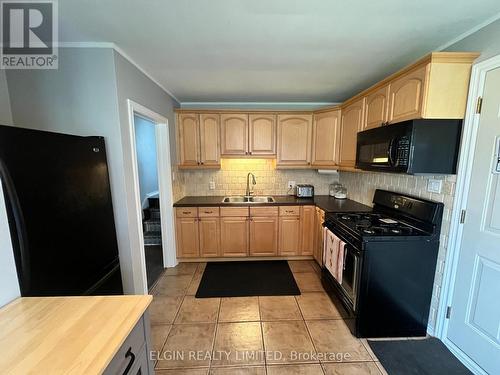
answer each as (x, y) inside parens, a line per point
(201, 163)
(250, 152)
(131, 362)
(208, 212)
(186, 212)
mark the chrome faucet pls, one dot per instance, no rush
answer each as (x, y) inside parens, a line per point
(248, 193)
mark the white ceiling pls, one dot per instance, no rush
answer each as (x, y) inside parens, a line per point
(270, 50)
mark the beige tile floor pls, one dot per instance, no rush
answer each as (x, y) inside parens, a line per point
(289, 335)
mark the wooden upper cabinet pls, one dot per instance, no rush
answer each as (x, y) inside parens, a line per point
(234, 134)
(406, 95)
(209, 140)
(325, 139)
(376, 108)
(294, 140)
(264, 236)
(262, 135)
(188, 139)
(352, 122)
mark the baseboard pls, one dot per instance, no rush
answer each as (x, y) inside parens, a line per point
(222, 259)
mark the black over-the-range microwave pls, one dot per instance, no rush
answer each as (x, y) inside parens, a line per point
(413, 147)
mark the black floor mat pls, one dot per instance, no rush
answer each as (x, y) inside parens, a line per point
(245, 279)
(417, 357)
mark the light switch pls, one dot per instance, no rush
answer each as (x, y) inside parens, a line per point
(211, 185)
(434, 186)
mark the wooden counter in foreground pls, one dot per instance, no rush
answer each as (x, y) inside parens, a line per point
(69, 335)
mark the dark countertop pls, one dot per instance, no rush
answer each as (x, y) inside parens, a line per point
(325, 202)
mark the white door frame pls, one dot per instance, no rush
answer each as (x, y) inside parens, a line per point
(164, 188)
(467, 151)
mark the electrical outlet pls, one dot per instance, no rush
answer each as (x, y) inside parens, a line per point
(291, 184)
(434, 186)
(211, 185)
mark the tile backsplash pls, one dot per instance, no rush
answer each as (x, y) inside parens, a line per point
(231, 178)
(361, 187)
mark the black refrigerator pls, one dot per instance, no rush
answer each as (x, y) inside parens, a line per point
(58, 199)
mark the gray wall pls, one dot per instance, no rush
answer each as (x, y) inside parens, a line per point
(485, 40)
(79, 98)
(9, 286)
(145, 141)
(132, 84)
(5, 113)
(88, 95)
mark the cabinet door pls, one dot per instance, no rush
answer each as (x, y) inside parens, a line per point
(289, 235)
(209, 228)
(318, 241)
(187, 237)
(234, 236)
(352, 120)
(209, 140)
(294, 140)
(376, 108)
(406, 95)
(189, 139)
(262, 134)
(307, 229)
(264, 236)
(234, 134)
(326, 136)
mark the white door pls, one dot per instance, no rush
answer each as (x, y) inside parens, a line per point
(474, 324)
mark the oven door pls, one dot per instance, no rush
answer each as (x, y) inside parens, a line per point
(350, 274)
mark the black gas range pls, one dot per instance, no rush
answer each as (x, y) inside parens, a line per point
(388, 265)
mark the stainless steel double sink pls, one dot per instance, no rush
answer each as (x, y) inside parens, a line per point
(249, 200)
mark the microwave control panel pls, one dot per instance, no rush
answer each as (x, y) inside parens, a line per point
(403, 152)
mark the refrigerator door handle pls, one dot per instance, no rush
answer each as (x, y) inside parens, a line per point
(22, 258)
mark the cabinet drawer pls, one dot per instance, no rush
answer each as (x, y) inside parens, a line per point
(208, 211)
(234, 211)
(186, 211)
(263, 211)
(289, 210)
(131, 348)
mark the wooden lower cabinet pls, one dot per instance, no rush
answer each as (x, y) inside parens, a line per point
(234, 236)
(318, 240)
(307, 225)
(263, 236)
(209, 232)
(242, 231)
(188, 240)
(289, 235)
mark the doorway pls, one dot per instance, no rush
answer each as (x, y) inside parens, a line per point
(470, 326)
(147, 168)
(153, 213)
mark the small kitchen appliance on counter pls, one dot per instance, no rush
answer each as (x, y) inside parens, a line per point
(388, 260)
(338, 191)
(304, 191)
